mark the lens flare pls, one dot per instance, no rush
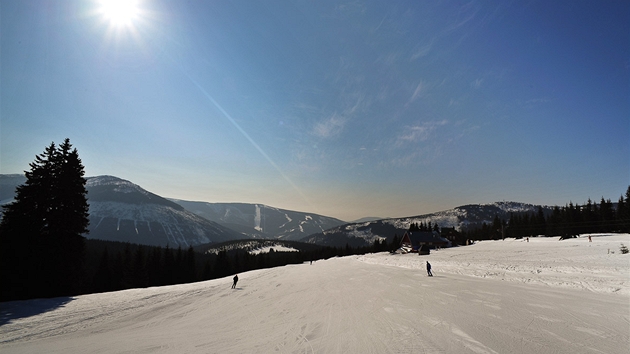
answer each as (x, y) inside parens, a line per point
(120, 12)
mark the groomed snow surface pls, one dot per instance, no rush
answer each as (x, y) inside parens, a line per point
(512, 296)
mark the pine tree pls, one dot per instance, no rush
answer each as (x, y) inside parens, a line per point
(625, 216)
(41, 242)
(139, 269)
(103, 277)
(190, 265)
(395, 243)
(68, 221)
(620, 212)
(155, 267)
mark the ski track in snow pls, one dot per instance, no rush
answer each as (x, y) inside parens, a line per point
(257, 218)
(376, 303)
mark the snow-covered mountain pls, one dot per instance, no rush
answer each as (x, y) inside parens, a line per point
(461, 218)
(123, 211)
(262, 221)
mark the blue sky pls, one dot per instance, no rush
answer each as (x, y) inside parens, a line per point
(346, 109)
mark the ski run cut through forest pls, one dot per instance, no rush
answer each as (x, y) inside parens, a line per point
(536, 295)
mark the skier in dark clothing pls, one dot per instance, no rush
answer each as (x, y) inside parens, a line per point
(235, 281)
(429, 269)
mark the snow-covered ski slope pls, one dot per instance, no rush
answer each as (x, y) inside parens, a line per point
(545, 296)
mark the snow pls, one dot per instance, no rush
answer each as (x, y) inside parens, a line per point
(512, 296)
(122, 186)
(597, 266)
(277, 248)
(257, 219)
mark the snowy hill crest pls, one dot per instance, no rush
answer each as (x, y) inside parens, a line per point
(460, 218)
(120, 185)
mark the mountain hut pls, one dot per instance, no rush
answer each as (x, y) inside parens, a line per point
(415, 240)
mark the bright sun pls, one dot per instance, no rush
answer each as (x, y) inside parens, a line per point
(120, 12)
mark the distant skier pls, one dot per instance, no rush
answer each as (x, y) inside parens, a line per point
(429, 269)
(235, 281)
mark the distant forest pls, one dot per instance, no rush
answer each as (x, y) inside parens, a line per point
(566, 222)
(115, 266)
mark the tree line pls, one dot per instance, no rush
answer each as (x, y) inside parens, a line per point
(567, 221)
(113, 266)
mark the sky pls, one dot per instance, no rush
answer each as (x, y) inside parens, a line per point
(346, 109)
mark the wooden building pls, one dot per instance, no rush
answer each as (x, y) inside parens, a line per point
(415, 240)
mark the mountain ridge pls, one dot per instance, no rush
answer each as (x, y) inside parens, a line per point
(262, 221)
(460, 218)
(123, 211)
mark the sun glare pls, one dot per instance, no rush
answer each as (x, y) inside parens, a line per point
(120, 12)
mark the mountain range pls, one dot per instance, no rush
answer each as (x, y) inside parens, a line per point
(123, 211)
(262, 221)
(460, 218)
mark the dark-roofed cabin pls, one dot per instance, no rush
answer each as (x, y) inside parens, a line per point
(452, 235)
(425, 240)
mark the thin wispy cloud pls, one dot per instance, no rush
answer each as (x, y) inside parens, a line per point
(330, 127)
(476, 84)
(419, 133)
(466, 13)
(419, 92)
(538, 100)
(422, 51)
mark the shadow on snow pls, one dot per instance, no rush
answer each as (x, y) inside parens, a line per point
(14, 310)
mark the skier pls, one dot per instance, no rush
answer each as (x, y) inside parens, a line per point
(235, 281)
(429, 269)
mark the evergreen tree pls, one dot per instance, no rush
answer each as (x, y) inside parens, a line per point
(496, 228)
(68, 221)
(168, 275)
(154, 266)
(624, 215)
(102, 281)
(223, 267)
(606, 213)
(190, 265)
(541, 224)
(139, 270)
(41, 242)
